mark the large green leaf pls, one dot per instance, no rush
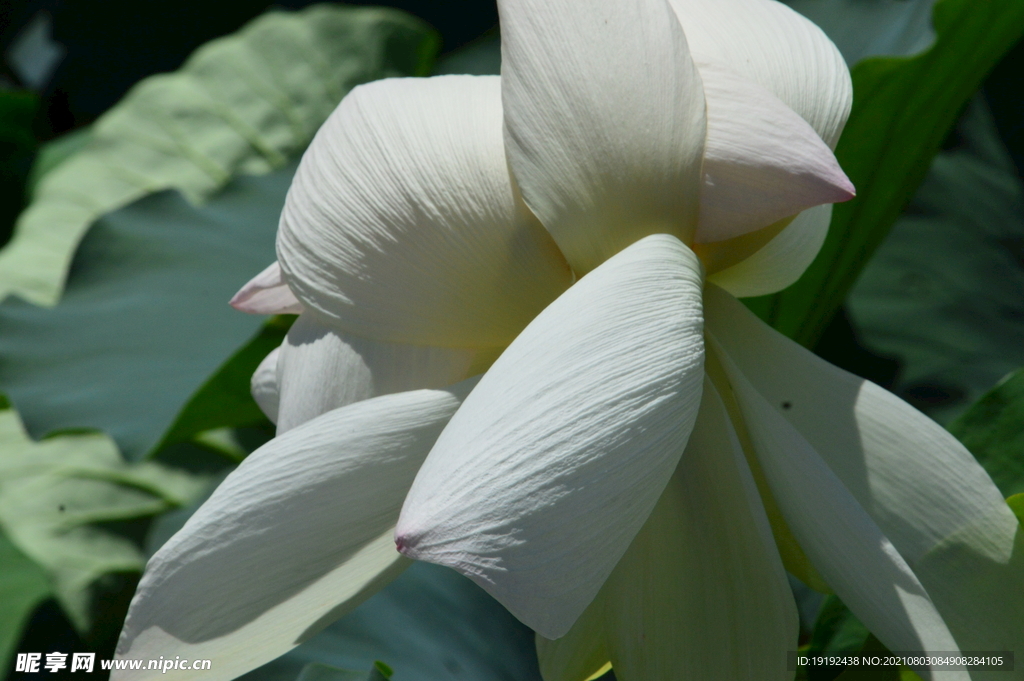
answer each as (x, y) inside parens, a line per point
(56, 494)
(944, 294)
(23, 586)
(903, 108)
(144, 321)
(993, 429)
(246, 103)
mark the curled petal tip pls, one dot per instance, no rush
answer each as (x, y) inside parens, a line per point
(238, 301)
(844, 189)
(266, 293)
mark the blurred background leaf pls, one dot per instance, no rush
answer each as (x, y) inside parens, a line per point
(58, 500)
(23, 586)
(993, 429)
(944, 293)
(144, 321)
(241, 104)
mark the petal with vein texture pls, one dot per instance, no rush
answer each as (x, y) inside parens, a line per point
(263, 385)
(701, 593)
(779, 263)
(321, 369)
(781, 50)
(402, 224)
(266, 293)
(762, 162)
(295, 537)
(604, 121)
(839, 536)
(541, 481)
(922, 487)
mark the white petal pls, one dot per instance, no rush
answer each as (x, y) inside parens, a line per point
(917, 480)
(770, 44)
(266, 293)
(604, 121)
(779, 263)
(553, 464)
(701, 593)
(299, 534)
(263, 386)
(922, 487)
(839, 536)
(402, 224)
(321, 369)
(762, 162)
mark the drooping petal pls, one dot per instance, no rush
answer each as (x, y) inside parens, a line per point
(321, 369)
(299, 534)
(604, 121)
(762, 162)
(843, 541)
(839, 536)
(784, 52)
(264, 388)
(266, 293)
(701, 593)
(402, 224)
(553, 464)
(779, 263)
(922, 487)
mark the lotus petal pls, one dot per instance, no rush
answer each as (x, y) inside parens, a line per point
(604, 123)
(552, 465)
(321, 369)
(402, 224)
(300, 533)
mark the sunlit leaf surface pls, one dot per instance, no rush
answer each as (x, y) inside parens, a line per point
(56, 494)
(246, 103)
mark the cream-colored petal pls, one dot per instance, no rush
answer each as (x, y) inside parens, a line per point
(402, 224)
(779, 263)
(321, 369)
(266, 293)
(770, 44)
(922, 487)
(264, 388)
(554, 462)
(701, 593)
(762, 162)
(604, 121)
(838, 535)
(300, 533)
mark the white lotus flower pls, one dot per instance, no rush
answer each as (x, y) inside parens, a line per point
(644, 458)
